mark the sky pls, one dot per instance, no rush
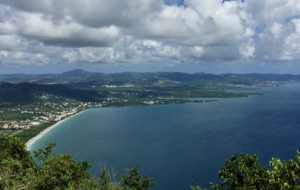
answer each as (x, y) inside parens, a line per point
(213, 36)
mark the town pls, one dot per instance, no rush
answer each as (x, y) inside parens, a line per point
(50, 109)
(27, 116)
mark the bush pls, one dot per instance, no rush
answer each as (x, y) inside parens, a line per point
(244, 172)
(18, 171)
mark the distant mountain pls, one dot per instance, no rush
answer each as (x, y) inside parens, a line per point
(79, 78)
(76, 72)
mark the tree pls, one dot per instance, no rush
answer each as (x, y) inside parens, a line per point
(134, 181)
(58, 172)
(15, 149)
(245, 172)
(105, 182)
(17, 168)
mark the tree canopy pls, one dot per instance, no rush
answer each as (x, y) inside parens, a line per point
(55, 172)
(244, 172)
(19, 171)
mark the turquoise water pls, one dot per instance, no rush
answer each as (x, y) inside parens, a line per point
(183, 145)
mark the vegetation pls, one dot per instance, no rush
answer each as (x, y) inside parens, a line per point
(81, 78)
(27, 134)
(95, 87)
(19, 171)
(244, 172)
(25, 93)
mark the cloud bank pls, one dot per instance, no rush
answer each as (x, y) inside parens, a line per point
(189, 32)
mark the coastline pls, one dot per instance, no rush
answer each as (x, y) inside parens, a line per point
(42, 133)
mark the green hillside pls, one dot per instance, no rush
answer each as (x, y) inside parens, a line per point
(24, 93)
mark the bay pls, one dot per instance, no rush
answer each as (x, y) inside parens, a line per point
(183, 145)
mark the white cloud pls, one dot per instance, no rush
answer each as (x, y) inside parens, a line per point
(276, 29)
(94, 13)
(148, 31)
(247, 50)
(215, 24)
(63, 33)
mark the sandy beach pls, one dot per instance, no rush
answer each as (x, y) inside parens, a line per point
(32, 140)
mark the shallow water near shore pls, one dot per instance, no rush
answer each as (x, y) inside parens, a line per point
(183, 145)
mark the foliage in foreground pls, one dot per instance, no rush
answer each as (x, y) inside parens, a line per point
(19, 171)
(245, 172)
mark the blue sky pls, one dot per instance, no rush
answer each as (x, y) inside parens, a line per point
(216, 36)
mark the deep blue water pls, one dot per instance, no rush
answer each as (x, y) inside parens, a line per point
(183, 145)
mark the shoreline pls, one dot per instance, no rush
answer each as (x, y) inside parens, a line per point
(42, 133)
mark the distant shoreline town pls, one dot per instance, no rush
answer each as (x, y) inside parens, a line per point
(40, 116)
(48, 114)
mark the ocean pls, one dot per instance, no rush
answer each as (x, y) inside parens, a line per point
(185, 144)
